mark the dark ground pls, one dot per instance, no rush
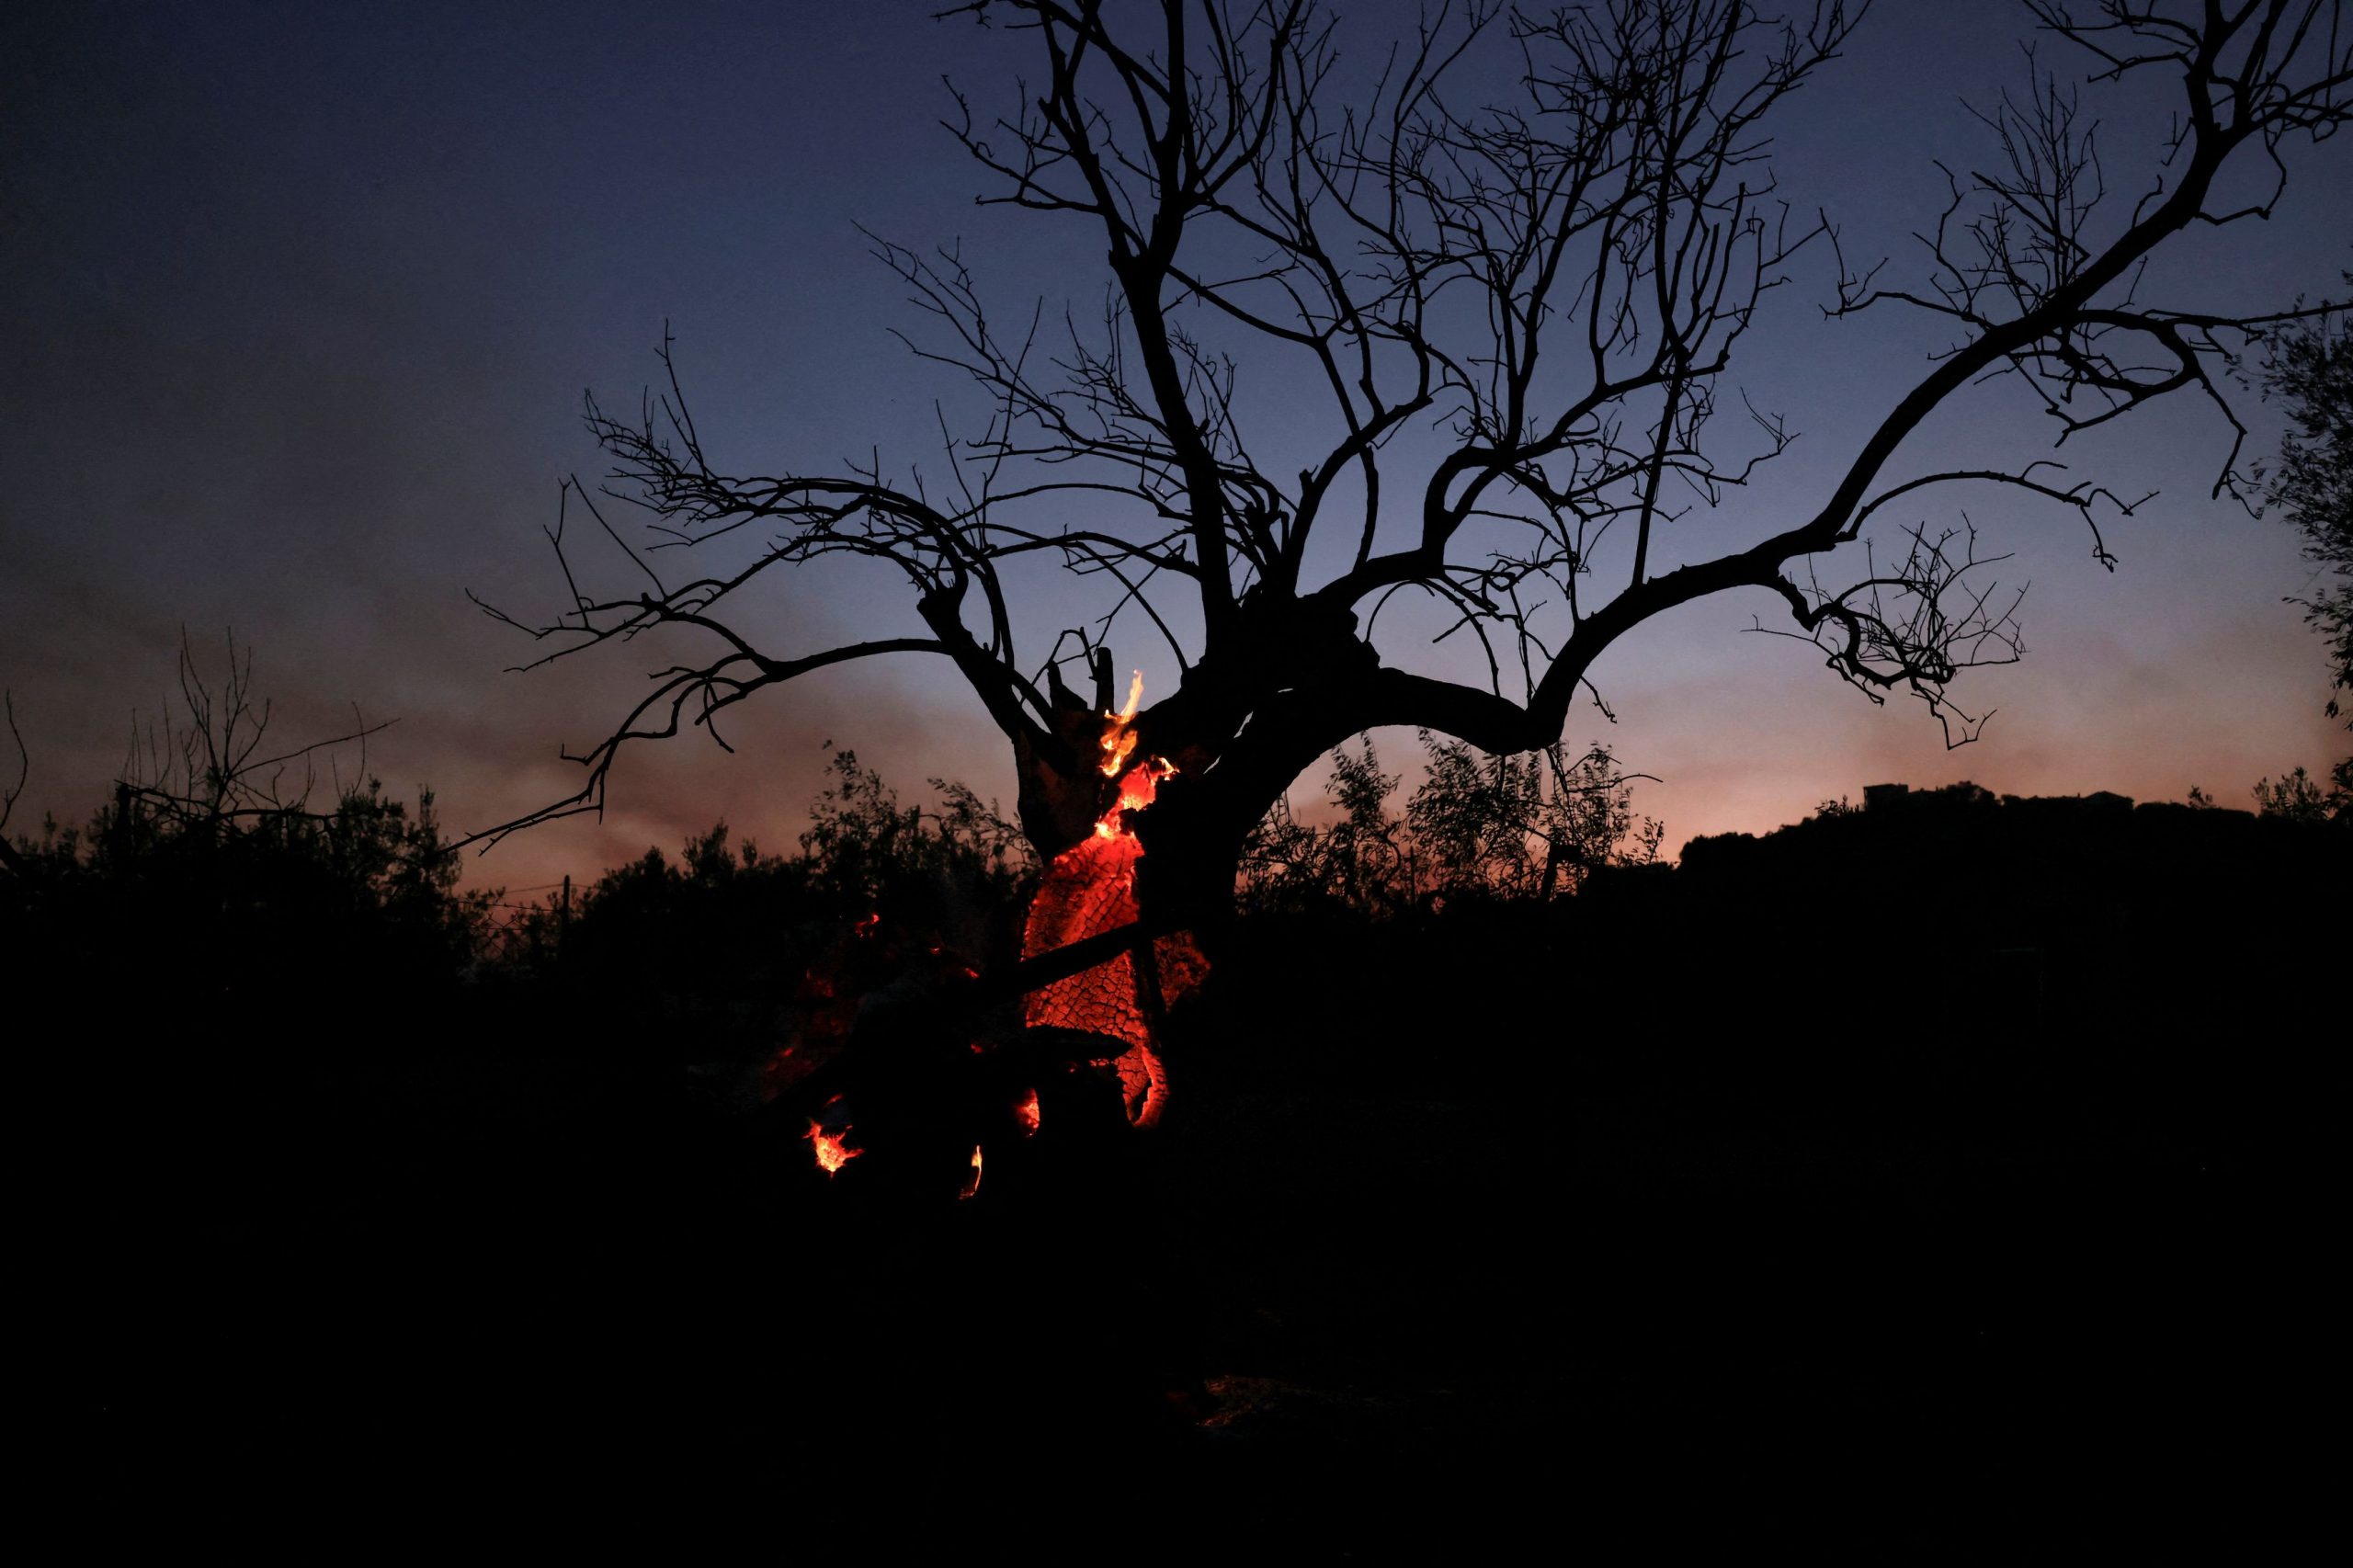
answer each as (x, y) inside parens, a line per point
(1931, 1188)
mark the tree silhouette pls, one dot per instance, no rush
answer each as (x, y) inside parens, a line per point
(1486, 827)
(9, 858)
(216, 826)
(2310, 370)
(1521, 315)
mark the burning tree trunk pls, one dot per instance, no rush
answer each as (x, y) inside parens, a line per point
(901, 1038)
(1090, 889)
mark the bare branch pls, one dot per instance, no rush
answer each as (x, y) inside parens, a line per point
(13, 792)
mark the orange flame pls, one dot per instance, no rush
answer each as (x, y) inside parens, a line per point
(1025, 1111)
(1118, 739)
(972, 1182)
(1137, 791)
(832, 1153)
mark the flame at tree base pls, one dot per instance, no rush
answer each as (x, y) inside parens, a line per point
(832, 1153)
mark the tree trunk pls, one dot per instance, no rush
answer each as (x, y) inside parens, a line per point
(1128, 842)
(1140, 818)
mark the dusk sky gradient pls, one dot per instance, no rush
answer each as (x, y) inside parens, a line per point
(299, 303)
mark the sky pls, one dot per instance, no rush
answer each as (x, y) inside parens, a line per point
(298, 304)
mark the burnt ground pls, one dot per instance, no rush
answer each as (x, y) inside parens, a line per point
(1717, 1208)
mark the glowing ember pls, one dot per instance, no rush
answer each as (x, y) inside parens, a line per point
(1025, 1111)
(1090, 889)
(832, 1153)
(972, 1182)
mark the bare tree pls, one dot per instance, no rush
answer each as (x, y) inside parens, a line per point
(214, 766)
(1529, 307)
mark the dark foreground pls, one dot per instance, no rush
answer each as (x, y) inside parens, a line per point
(1935, 1193)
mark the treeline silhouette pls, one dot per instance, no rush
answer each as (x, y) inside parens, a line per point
(700, 956)
(1914, 1145)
